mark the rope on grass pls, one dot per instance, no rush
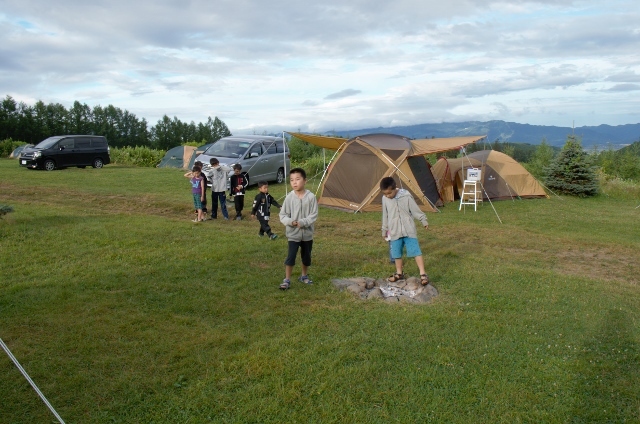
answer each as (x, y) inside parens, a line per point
(24, 373)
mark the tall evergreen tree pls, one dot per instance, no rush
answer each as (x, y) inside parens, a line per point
(572, 172)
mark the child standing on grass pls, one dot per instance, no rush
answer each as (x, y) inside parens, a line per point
(399, 209)
(217, 175)
(298, 213)
(197, 189)
(204, 183)
(239, 182)
(261, 209)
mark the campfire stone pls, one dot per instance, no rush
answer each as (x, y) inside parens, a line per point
(406, 291)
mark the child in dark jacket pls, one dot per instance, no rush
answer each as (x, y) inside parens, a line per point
(239, 182)
(261, 209)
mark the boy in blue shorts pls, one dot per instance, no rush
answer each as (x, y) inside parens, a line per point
(399, 209)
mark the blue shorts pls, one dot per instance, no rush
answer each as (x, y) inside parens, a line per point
(413, 248)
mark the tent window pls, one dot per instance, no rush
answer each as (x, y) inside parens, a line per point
(393, 154)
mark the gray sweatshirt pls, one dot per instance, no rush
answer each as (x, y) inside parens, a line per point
(217, 177)
(398, 215)
(304, 210)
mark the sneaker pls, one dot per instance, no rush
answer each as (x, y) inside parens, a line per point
(260, 235)
(238, 218)
(226, 218)
(214, 217)
(273, 236)
(195, 220)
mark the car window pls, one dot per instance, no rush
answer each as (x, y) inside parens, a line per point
(67, 143)
(272, 148)
(257, 148)
(280, 146)
(98, 142)
(49, 142)
(82, 143)
(228, 148)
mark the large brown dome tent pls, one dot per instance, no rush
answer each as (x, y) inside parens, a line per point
(351, 181)
(502, 177)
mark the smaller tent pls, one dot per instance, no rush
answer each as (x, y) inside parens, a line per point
(502, 176)
(177, 157)
(18, 150)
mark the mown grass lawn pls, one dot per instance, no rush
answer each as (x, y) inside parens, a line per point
(124, 311)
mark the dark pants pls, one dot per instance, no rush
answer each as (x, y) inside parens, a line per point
(305, 252)
(215, 196)
(264, 226)
(238, 201)
(204, 202)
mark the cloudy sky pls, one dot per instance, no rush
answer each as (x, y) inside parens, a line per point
(324, 65)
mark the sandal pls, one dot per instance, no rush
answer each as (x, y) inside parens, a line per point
(305, 279)
(424, 279)
(285, 284)
(396, 277)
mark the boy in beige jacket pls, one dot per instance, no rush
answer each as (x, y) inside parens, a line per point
(398, 212)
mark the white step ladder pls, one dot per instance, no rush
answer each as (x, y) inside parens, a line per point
(471, 189)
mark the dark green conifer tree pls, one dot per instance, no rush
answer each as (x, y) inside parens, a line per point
(572, 171)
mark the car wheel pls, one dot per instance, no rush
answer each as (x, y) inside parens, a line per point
(280, 176)
(97, 163)
(49, 165)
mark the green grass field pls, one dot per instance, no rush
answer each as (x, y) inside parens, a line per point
(124, 311)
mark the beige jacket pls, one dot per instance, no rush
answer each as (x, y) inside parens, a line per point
(398, 215)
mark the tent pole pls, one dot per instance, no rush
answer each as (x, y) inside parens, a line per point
(327, 167)
(284, 161)
(483, 190)
(490, 202)
(24, 373)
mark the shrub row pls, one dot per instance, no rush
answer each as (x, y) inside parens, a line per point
(7, 146)
(136, 156)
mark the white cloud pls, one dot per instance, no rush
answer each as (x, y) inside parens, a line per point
(285, 64)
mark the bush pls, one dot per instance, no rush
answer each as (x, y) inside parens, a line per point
(619, 188)
(301, 150)
(7, 146)
(4, 209)
(136, 156)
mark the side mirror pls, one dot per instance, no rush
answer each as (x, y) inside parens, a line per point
(254, 154)
(61, 147)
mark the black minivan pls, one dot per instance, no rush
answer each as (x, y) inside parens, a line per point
(67, 150)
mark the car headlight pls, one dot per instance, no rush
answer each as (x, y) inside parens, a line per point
(37, 154)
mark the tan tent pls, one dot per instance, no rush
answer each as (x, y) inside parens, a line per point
(502, 176)
(352, 180)
(177, 157)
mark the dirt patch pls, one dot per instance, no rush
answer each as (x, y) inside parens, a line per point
(112, 203)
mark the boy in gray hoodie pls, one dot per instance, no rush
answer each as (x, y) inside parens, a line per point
(298, 213)
(398, 212)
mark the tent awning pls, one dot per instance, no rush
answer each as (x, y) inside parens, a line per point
(427, 146)
(331, 143)
(419, 147)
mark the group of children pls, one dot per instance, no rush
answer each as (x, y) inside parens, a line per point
(299, 212)
(216, 174)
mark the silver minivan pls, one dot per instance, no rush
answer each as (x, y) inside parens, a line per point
(262, 157)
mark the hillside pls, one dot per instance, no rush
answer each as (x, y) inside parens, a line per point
(511, 132)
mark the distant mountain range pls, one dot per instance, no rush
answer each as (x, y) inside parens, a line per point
(510, 132)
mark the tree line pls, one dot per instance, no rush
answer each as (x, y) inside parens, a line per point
(32, 124)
